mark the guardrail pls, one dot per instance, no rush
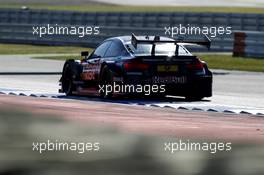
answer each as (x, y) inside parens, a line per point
(16, 25)
(253, 22)
(23, 34)
(249, 44)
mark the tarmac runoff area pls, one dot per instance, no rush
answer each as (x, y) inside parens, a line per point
(233, 91)
(220, 3)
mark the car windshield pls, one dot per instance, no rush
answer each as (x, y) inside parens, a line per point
(161, 49)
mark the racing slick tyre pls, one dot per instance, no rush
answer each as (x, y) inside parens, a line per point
(67, 80)
(106, 80)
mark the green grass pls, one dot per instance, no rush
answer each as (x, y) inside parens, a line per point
(214, 62)
(233, 63)
(118, 8)
(7, 49)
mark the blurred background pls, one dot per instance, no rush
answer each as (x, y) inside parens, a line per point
(120, 153)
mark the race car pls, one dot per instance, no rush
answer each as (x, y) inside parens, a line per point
(139, 65)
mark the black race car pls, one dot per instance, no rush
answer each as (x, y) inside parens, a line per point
(145, 65)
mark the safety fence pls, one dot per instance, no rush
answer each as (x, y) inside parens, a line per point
(24, 34)
(16, 25)
(251, 22)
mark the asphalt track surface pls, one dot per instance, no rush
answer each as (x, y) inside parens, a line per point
(233, 91)
(225, 3)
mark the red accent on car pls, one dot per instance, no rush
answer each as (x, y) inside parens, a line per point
(195, 66)
(135, 66)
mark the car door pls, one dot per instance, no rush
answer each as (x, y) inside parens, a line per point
(91, 67)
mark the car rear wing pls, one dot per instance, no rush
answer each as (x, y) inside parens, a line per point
(135, 41)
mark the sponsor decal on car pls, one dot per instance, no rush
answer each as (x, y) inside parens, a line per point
(169, 79)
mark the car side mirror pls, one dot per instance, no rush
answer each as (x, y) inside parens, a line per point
(85, 54)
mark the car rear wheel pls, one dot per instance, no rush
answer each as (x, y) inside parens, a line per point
(67, 81)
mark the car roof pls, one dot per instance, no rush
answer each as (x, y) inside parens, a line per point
(127, 39)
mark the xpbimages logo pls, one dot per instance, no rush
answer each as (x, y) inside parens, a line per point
(56, 29)
(187, 145)
(79, 147)
(146, 89)
(188, 29)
